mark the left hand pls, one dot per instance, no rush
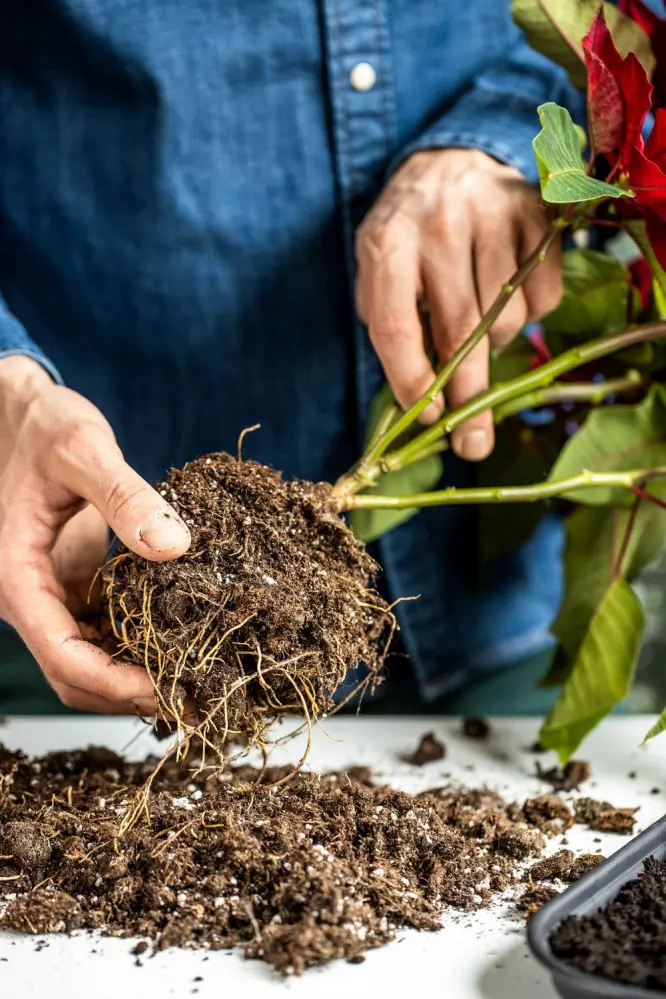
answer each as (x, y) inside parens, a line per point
(452, 227)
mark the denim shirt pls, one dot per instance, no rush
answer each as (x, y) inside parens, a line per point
(180, 182)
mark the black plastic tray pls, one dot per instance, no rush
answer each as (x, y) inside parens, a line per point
(587, 895)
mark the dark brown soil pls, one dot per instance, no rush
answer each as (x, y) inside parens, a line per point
(625, 941)
(325, 866)
(581, 865)
(534, 898)
(557, 866)
(266, 613)
(569, 779)
(429, 750)
(476, 728)
(603, 817)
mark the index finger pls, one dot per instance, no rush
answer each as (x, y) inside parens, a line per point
(396, 331)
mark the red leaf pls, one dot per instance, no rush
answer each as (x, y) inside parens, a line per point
(604, 99)
(636, 92)
(642, 15)
(648, 181)
(619, 92)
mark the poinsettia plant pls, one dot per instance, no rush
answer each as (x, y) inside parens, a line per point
(595, 375)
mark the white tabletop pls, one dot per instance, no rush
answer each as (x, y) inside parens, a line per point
(483, 955)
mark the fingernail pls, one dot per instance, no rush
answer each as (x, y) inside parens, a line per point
(164, 532)
(145, 706)
(474, 445)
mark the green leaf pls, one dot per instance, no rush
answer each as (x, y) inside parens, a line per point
(594, 539)
(521, 456)
(616, 439)
(602, 673)
(596, 293)
(637, 231)
(368, 525)
(562, 170)
(657, 728)
(511, 361)
(556, 28)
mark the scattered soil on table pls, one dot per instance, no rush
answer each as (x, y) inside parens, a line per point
(549, 813)
(476, 728)
(429, 750)
(582, 864)
(575, 773)
(556, 866)
(536, 747)
(265, 614)
(623, 941)
(603, 817)
(324, 866)
(564, 866)
(534, 898)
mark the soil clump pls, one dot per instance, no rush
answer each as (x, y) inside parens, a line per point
(264, 615)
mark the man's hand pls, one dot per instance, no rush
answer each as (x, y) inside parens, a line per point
(451, 227)
(62, 481)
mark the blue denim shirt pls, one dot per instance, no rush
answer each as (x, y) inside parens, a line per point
(180, 182)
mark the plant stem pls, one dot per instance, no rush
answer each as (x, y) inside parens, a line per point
(501, 494)
(358, 477)
(624, 547)
(590, 392)
(645, 495)
(541, 377)
(390, 463)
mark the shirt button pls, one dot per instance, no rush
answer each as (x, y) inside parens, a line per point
(363, 76)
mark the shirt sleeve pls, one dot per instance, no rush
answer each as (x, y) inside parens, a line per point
(15, 340)
(498, 113)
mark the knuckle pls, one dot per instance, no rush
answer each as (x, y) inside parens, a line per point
(122, 496)
(377, 240)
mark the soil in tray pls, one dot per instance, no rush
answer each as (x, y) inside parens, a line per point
(625, 941)
(322, 866)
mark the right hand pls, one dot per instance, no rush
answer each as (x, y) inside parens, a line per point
(62, 481)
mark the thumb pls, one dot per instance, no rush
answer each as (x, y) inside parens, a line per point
(138, 515)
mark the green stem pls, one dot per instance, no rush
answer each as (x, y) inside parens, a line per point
(358, 477)
(502, 494)
(541, 377)
(588, 392)
(592, 393)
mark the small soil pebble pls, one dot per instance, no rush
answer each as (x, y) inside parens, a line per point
(604, 817)
(536, 747)
(581, 865)
(26, 844)
(569, 779)
(476, 728)
(623, 941)
(557, 866)
(429, 750)
(549, 813)
(140, 948)
(535, 898)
